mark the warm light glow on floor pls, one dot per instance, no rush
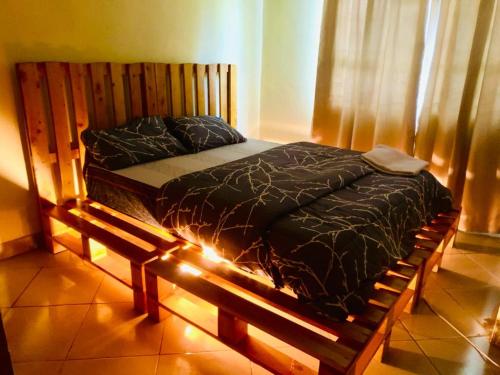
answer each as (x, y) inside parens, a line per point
(97, 249)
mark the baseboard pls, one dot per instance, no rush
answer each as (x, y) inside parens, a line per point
(19, 245)
(477, 241)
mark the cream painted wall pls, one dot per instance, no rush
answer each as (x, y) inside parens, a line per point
(289, 58)
(122, 31)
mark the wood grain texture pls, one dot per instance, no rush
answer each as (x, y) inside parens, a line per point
(97, 73)
(150, 89)
(188, 89)
(77, 77)
(161, 89)
(223, 90)
(136, 96)
(201, 104)
(176, 91)
(57, 77)
(212, 90)
(232, 96)
(119, 107)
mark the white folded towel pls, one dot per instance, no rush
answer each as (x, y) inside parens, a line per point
(390, 160)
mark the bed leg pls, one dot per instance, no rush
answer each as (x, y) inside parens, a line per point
(86, 253)
(419, 286)
(137, 273)
(48, 242)
(231, 329)
(386, 347)
(152, 297)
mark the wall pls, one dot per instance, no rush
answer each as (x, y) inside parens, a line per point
(289, 58)
(123, 31)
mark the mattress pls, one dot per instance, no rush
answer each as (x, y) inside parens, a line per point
(132, 190)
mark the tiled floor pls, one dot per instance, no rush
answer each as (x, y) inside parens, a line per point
(62, 316)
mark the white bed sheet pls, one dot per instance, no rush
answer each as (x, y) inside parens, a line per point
(156, 173)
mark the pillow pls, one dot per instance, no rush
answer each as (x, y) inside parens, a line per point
(200, 133)
(141, 140)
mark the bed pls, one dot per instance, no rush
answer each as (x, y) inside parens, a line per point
(61, 100)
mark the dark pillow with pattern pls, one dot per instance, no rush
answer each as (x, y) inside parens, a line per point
(139, 141)
(200, 133)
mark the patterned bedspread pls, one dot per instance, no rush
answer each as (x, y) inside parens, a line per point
(315, 218)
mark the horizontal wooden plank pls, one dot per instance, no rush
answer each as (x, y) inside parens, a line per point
(120, 246)
(426, 244)
(351, 332)
(395, 283)
(335, 355)
(384, 298)
(160, 243)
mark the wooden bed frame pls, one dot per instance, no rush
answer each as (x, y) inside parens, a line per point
(60, 100)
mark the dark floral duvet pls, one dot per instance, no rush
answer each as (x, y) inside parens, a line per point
(317, 219)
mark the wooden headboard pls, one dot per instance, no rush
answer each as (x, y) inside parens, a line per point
(60, 100)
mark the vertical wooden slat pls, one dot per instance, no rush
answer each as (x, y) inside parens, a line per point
(232, 96)
(77, 75)
(56, 77)
(117, 87)
(37, 131)
(175, 81)
(161, 89)
(223, 69)
(150, 88)
(188, 89)
(212, 91)
(200, 89)
(97, 72)
(134, 73)
(138, 286)
(37, 128)
(152, 296)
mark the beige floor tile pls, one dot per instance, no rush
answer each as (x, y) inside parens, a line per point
(461, 272)
(58, 286)
(404, 357)
(455, 356)
(111, 290)
(490, 262)
(13, 282)
(480, 303)
(42, 333)
(140, 365)
(181, 337)
(257, 370)
(41, 258)
(399, 332)
(114, 330)
(214, 363)
(425, 325)
(296, 369)
(38, 368)
(442, 303)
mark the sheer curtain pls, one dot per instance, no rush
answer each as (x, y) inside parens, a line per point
(368, 69)
(459, 128)
(369, 65)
